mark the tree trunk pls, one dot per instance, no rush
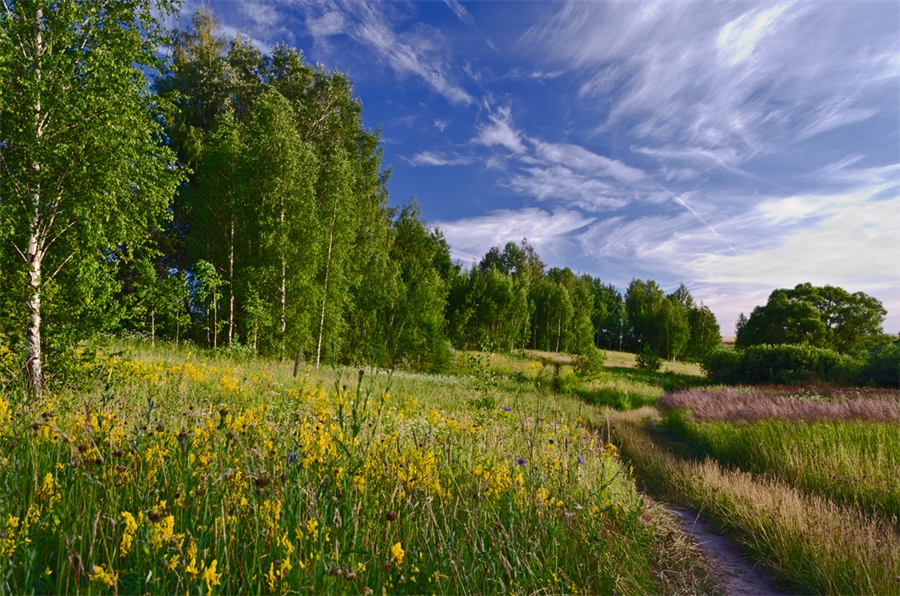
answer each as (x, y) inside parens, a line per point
(283, 304)
(33, 371)
(283, 289)
(35, 255)
(215, 332)
(152, 327)
(297, 360)
(558, 331)
(231, 283)
(325, 289)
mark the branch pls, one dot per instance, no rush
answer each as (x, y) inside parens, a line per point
(21, 254)
(61, 265)
(61, 232)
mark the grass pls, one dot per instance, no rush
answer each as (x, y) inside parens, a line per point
(814, 501)
(177, 472)
(621, 385)
(843, 449)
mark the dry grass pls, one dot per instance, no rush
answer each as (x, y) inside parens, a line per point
(753, 405)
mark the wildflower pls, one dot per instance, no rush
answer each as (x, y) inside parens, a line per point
(210, 576)
(580, 460)
(101, 575)
(520, 461)
(397, 553)
(292, 457)
(128, 535)
(507, 409)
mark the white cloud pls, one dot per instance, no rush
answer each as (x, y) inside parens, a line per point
(419, 51)
(570, 188)
(432, 158)
(587, 162)
(725, 78)
(441, 124)
(738, 39)
(460, 12)
(548, 233)
(499, 131)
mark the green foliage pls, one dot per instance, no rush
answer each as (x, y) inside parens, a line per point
(882, 365)
(589, 364)
(82, 173)
(723, 366)
(819, 316)
(648, 360)
(779, 365)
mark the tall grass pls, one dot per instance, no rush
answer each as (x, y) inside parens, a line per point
(808, 542)
(845, 448)
(180, 473)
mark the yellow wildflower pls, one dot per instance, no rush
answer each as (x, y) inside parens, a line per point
(210, 576)
(397, 554)
(128, 535)
(101, 575)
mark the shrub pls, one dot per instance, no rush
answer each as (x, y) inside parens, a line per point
(648, 359)
(589, 364)
(723, 366)
(882, 367)
(780, 365)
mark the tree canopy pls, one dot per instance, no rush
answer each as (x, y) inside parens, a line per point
(825, 316)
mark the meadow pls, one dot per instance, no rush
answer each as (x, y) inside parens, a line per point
(172, 471)
(805, 480)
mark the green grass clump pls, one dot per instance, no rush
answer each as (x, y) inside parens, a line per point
(179, 473)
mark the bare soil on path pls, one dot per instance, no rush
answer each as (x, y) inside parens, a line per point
(740, 577)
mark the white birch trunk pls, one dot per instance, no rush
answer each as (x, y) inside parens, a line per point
(325, 289)
(35, 254)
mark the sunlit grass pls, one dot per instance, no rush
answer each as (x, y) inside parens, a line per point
(182, 473)
(845, 447)
(810, 543)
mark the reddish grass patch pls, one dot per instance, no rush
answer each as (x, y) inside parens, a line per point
(798, 403)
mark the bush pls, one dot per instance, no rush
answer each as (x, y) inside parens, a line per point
(589, 364)
(882, 368)
(723, 366)
(648, 359)
(779, 365)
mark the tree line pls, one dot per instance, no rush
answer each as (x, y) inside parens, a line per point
(217, 194)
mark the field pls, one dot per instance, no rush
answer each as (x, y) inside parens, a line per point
(171, 471)
(806, 480)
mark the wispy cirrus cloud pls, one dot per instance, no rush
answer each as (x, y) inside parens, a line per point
(549, 233)
(499, 131)
(418, 51)
(437, 158)
(725, 78)
(460, 12)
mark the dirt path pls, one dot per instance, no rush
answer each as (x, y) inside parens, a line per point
(741, 578)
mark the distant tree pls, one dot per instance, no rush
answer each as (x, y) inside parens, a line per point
(820, 316)
(739, 324)
(81, 167)
(644, 302)
(705, 334)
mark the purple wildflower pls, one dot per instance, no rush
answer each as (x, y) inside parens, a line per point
(292, 457)
(507, 409)
(580, 460)
(520, 461)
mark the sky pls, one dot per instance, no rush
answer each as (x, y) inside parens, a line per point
(735, 147)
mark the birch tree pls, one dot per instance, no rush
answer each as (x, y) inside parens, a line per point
(81, 169)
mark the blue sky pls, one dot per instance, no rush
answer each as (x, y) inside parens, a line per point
(736, 147)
